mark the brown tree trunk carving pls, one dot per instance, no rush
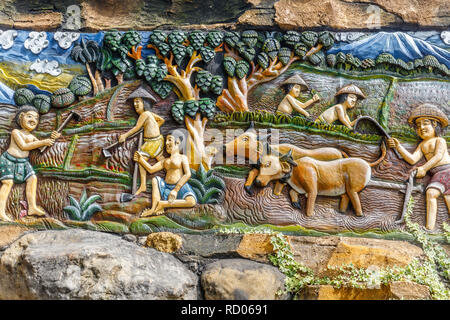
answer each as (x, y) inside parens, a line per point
(196, 150)
(98, 80)
(234, 98)
(94, 83)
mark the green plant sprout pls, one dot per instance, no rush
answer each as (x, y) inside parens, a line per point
(84, 209)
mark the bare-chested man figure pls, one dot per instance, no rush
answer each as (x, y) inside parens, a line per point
(174, 190)
(153, 145)
(14, 164)
(294, 86)
(347, 98)
(429, 121)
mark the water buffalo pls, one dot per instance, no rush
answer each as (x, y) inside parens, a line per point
(249, 145)
(342, 177)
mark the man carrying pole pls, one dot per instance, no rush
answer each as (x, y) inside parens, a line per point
(150, 123)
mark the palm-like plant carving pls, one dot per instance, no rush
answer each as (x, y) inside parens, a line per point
(84, 209)
(87, 52)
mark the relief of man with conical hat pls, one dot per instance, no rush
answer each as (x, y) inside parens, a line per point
(429, 121)
(294, 85)
(347, 98)
(150, 122)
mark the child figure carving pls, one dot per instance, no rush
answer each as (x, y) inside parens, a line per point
(429, 121)
(174, 190)
(294, 85)
(14, 164)
(347, 98)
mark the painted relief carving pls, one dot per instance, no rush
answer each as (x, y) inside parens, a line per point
(195, 130)
(429, 121)
(294, 85)
(348, 96)
(14, 162)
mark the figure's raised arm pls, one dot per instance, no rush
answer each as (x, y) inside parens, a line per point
(139, 124)
(297, 105)
(411, 158)
(314, 99)
(343, 117)
(28, 146)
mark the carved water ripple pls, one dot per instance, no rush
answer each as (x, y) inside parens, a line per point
(264, 207)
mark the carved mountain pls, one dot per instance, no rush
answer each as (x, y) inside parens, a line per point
(398, 44)
(6, 94)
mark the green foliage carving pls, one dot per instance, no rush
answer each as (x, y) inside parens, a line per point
(131, 38)
(250, 38)
(284, 55)
(207, 54)
(384, 63)
(297, 123)
(191, 107)
(197, 39)
(242, 68)
(84, 209)
(205, 106)
(178, 111)
(162, 88)
(263, 60)
(216, 84)
(23, 96)
(207, 186)
(291, 38)
(62, 97)
(80, 86)
(87, 51)
(384, 111)
(232, 38)
(203, 80)
(42, 103)
(214, 38)
(309, 38)
(114, 52)
(229, 64)
(271, 47)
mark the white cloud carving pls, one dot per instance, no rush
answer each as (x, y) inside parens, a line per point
(65, 39)
(45, 66)
(445, 36)
(349, 36)
(36, 42)
(7, 38)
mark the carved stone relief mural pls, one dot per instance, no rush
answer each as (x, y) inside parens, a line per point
(195, 131)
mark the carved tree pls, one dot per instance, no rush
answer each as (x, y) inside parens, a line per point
(114, 54)
(164, 73)
(253, 58)
(88, 52)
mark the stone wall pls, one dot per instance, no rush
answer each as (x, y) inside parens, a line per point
(81, 264)
(96, 15)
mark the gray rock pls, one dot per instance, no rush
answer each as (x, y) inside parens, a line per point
(81, 264)
(211, 245)
(142, 240)
(241, 279)
(129, 237)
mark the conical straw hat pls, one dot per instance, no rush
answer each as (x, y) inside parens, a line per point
(295, 79)
(428, 110)
(141, 93)
(351, 88)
